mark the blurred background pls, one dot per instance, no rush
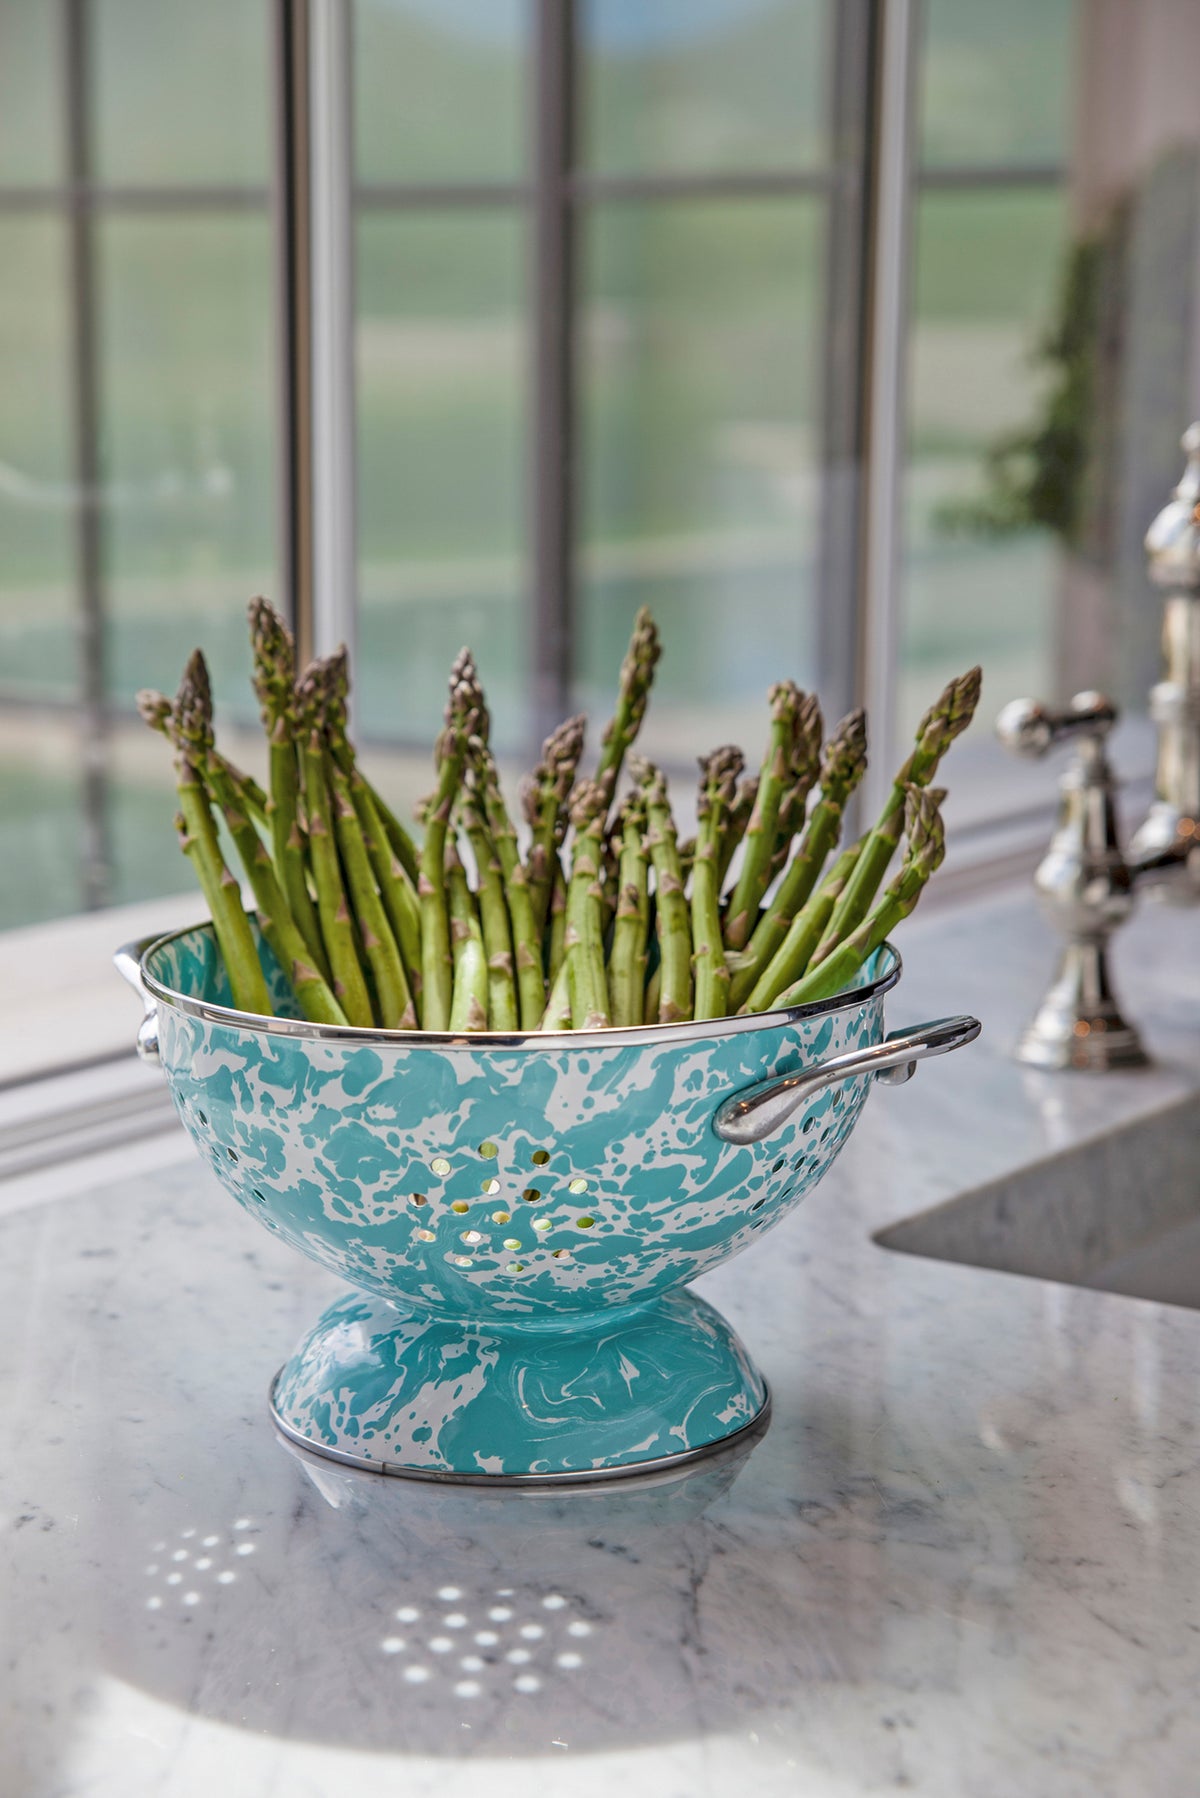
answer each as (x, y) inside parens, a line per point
(856, 339)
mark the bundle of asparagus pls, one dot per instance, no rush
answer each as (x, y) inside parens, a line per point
(604, 918)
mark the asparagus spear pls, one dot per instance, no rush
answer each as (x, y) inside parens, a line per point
(199, 842)
(653, 991)
(803, 774)
(195, 732)
(338, 687)
(674, 922)
(155, 710)
(396, 1009)
(924, 849)
(463, 717)
(274, 653)
(627, 963)
(556, 948)
(842, 768)
(773, 783)
(525, 933)
(740, 813)
(718, 784)
(804, 933)
(493, 915)
(633, 690)
(584, 939)
(468, 1009)
(946, 719)
(337, 925)
(395, 887)
(544, 796)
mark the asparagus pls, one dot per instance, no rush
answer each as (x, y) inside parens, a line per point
(946, 719)
(556, 947)
(391, 877)
(155, 710)
(773, 783)
(469, 1007)
(924, 849)
(396, 1009)
(805, 932)
(842, 768)
(544, 796)
(584, 939)
(522, 923)
(337, 925)
(803, 774)
(493, 915)
(338, 688)
(674, 923)
(633, 691)
(653, 991)
(274, 653)
(718, 785)
(627, 962)
(464, 714)
(740, 813)
(199, 842)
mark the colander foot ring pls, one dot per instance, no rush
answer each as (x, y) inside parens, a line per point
(494, 1404)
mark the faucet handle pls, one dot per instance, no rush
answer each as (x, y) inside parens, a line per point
(1028, 727)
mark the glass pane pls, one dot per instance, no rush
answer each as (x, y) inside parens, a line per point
(188, 398)
(441, 475)
(41, 805)
(703, 84)
(439, 90)
(987, 268)
(700, 365)
(31, 113)
(182, 92)
(37, 495)
(997, 81)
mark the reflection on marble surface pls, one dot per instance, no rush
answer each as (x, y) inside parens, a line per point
(958, 1563)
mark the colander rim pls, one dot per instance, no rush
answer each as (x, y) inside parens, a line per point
(363, 1036)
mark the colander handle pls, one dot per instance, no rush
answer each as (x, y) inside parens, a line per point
(128, 963)
(758, 1111)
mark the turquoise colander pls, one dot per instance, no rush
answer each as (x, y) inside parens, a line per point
(518, 1216)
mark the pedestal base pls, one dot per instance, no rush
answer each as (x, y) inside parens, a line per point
(550, 1401)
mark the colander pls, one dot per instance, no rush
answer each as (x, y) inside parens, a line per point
(519, 1216)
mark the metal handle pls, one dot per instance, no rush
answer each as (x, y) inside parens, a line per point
(1027, 727)
(128, 963)
(757, 1112)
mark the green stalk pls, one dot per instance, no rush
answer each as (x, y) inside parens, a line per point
(805, 932)
(544, 797)
(235, 939)
(396, 1010)
(494, 918)
(274, 683)
(718, 785)
(739, 816)
(557, 1015)
(469, 1008)
(674, 921)
(653, 990)
(946, 719)
(395, 889)
(337, 925)
(389, 827)
(557, 948)
(773, 783)
(523, 926)
(627, 963)
(584, 938)
(842, 768)
(464, 713)
(633, 691)
(923, 856)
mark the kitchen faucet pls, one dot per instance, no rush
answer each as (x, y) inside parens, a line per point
(1086, 883)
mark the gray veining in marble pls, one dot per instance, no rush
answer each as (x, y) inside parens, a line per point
(961, 1563)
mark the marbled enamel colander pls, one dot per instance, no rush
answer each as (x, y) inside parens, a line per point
(519, 1216)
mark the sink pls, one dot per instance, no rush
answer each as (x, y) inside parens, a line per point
(1120, 1213)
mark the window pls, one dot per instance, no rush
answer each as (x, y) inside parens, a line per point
(856, 338)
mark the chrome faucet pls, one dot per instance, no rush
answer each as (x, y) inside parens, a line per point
(1086, 884)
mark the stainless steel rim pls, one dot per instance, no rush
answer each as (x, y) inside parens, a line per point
(601, 1476)
(494, 1039)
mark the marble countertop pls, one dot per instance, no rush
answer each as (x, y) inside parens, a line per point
(962, 1562)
